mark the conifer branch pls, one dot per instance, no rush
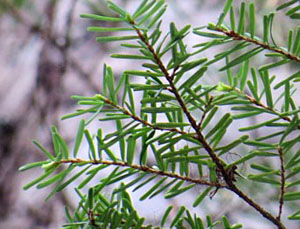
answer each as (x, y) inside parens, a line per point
(199, 136)
(142, 121)
(236, 36)
(143, 168)
(264, 106)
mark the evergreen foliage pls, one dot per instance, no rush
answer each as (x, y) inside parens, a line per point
(175, 134)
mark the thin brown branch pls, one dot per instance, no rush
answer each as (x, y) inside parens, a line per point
(144, 122)
(228, 179)
(237, 36)
(260, 104)
(282, 187)
(143, 169)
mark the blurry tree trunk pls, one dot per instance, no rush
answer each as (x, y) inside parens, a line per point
(39, 112)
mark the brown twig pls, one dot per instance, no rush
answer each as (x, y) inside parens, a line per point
(282, 187)
(143, 169)
(260, 104)
(237, 36)
(144, 122)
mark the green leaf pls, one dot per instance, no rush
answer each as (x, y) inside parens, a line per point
(232, 19)
(259, 144)
(131, 142)
(101, 18)
(63, 146)
(107, 29)
(273, 65)
(265, 180)
(296, 45)
(266, 29)
(293, 161)
(230, 146)
(226, 224)
(220, 134)
(225, 11)
(115, 117)
(293, 126)
(286, 4)
(219, 125)
(159, 109)
(165, 216)
(79, 136)
(252, 20)
(201, 197)
(104, 182)
(291, 196)
(144, 183)
(244, 74)
(39, 179)
(90, 199)
(242, 58)
(119, 38)
(287, 97)
(128, 56)
(292, 11)
(290, 40)
(32, 165)
(133, 182)
(57, 177)
(210, 35)
(295, 216)
(91, 144)
(242, 18)
(55, 140)
(283, 82)
(170, 124)
(155, 8)
(65, 184)
(267, 85)
(295, 183)
(264, 174)
(116, 8)
(92, 173)
(263, 124)
(133, 46)
(208, 118)
(188, 66)
(178, 215)
(269, 136)
(172, 194)
(143, 73)
(194, 78)
(261, 168)
(43, 149)
(246, 114)
(154, 187)
(164, 187)
(142, 8)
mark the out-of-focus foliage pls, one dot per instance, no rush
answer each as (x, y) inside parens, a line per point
(7, 6)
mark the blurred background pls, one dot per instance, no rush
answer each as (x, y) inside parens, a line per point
(46, 56)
